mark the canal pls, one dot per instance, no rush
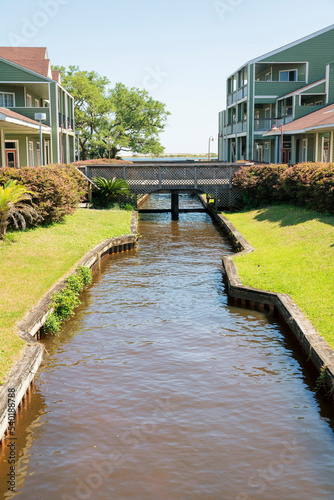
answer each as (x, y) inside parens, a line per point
(160, 388)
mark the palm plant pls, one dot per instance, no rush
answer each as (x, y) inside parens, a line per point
(14, 206)
(112, 188)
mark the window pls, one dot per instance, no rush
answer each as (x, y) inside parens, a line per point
(304, 150)
(288, 76)
(7, 100)
(36, 103)
(28, 101)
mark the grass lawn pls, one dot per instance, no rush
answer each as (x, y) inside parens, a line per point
(41, 256)
(294, 254)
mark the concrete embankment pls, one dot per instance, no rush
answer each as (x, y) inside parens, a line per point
(314, 345)
(24, 370)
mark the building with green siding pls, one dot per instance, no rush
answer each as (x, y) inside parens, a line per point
(28, 86)
(269, 98)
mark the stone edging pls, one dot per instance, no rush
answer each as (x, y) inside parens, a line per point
(27, 365)
(314, 345)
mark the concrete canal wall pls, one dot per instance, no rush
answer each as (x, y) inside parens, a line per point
(313, 344)
(23, 372)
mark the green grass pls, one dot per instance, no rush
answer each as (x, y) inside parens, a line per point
(38, 258)
(294, 254)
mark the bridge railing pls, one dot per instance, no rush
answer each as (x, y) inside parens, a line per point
(212, 179)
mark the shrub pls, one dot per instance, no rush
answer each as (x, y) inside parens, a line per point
(260, 183)
(101, 161)
(307, 184)
(311, 185)
(52, 324)
(65, 301)
(55, 189)
(85, 274)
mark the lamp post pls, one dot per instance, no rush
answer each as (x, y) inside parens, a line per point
(78, 133)
(41, 117)
(274, 129)
(210, 140)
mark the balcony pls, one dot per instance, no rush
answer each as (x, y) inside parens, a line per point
(30, 113)
(231, 98)
(65, 122)
(276, 88)
(266, 124)
(242, 127)
(242, 92)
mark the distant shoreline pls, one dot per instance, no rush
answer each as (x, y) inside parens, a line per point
(149, 157)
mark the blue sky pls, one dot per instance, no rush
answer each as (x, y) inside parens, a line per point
(180, 51)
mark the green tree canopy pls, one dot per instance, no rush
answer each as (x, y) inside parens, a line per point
(129, 116)
(91, 103)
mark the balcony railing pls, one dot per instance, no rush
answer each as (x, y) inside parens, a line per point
(231, 98)
(242, 126)
(30, 113)
(66, 122)
(242, 92)
(266, 124)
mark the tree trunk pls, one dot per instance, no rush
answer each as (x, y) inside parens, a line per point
(113, 152)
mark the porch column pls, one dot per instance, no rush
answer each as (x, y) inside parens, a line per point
(293, 150)
(277, 149)
(331, 147)
(3, 147)
(316, 146)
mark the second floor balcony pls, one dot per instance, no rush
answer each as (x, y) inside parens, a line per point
(266, 124)
(65, 122)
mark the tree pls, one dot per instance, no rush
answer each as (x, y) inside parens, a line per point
(136, 121)
(14, 206)
(92, 104)
(129, 116)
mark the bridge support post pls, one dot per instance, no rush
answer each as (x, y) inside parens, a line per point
(175, 205)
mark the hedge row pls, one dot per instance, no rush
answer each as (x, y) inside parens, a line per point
(57, 189)
(308, 184)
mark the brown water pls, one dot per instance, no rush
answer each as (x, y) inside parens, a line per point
(159, 389)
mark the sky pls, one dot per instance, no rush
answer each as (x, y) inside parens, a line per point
(181, 51)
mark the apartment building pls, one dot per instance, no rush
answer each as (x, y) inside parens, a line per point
(28, 89)
(279, 106)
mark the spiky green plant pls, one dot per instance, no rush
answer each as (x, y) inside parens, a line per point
(15, 207)
(112, 188)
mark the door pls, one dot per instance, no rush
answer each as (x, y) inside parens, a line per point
(11, 158)
(325, 149)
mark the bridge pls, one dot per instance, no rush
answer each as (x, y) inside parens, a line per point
(211, 178)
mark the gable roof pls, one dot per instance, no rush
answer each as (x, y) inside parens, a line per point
(285, 47)
(33, 58)
(322, 118)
